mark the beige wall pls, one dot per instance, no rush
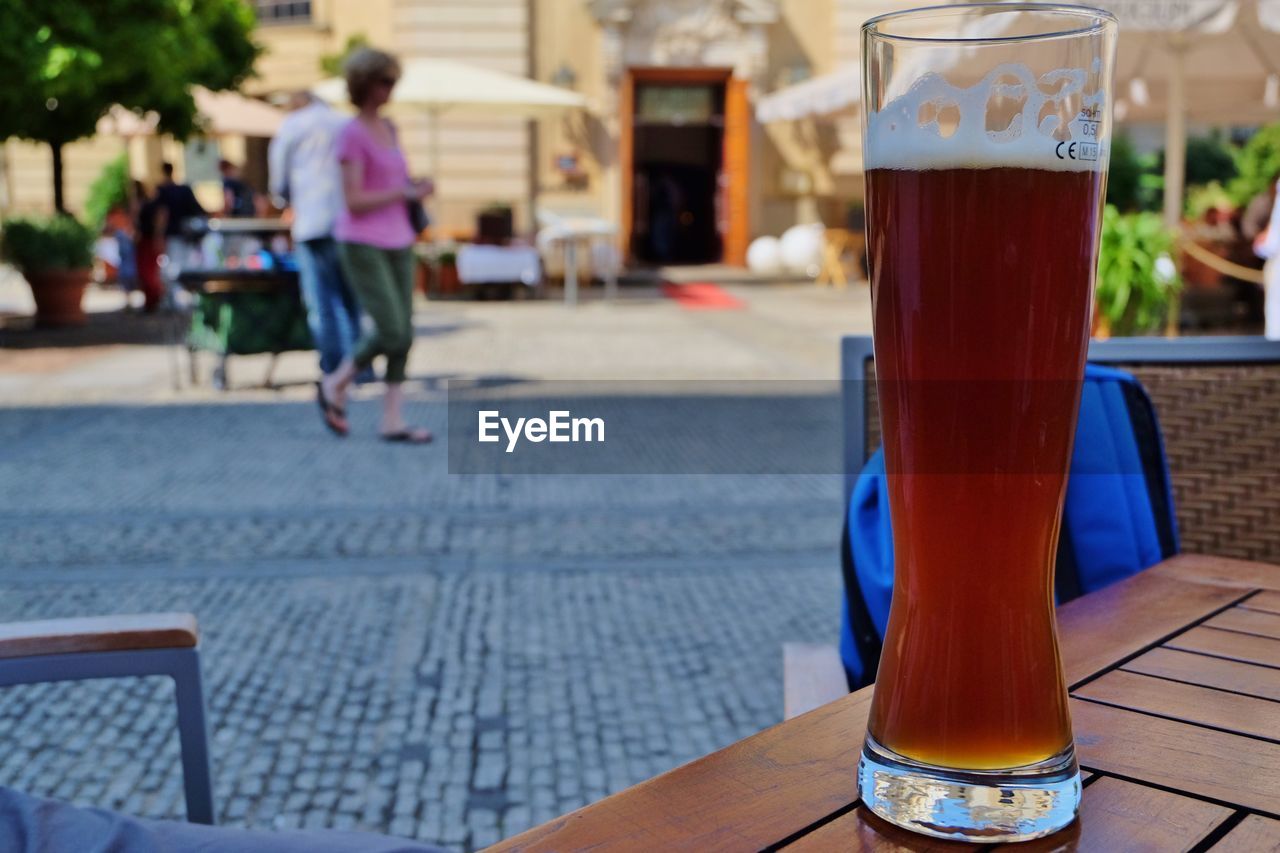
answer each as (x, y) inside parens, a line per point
(482, 160)
(29, 173)
(793, 151)
(566, 34)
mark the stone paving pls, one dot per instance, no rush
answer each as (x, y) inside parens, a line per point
(388, 646)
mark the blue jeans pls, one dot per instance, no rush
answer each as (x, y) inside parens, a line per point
(332, 311)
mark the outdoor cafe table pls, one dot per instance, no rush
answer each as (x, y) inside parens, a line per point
(1175, 683)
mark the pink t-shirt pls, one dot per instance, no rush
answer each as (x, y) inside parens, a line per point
(386, 227)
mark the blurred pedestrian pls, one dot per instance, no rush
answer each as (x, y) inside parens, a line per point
(176, 204)
(148, 242)
(119, 230)
(237, 196)
(1267, 245)
(304, 175)
(375, 239)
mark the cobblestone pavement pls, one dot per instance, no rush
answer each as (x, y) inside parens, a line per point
(387, 646)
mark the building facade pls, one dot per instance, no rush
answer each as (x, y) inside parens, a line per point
(670, 149)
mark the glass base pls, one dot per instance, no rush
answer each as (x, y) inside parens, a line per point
(1017, 804)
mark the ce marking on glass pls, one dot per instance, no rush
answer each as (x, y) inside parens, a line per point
(1076, 150)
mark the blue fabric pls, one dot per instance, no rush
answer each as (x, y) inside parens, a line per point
(1108, 519)
(333, 314)
(34, 825)
(1110, 526)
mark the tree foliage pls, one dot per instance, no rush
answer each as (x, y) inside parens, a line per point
(331, 63)
(110, 189)
(1132, 181)
(66, 62)
(1257, 165)
(1136, 276)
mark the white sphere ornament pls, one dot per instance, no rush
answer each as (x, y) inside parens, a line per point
(764, 256)
(802, 249)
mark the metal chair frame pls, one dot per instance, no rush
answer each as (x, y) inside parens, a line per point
(180, 664)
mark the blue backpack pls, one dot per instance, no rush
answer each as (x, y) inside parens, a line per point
(1117, 520)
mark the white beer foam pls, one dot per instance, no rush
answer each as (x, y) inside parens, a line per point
(898, 137)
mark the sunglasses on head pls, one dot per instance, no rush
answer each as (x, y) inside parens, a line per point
(388, 81)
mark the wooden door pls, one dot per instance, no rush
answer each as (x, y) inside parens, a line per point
(736, 171)
(626, 160)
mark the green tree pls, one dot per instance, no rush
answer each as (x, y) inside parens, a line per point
(110, 189)
(66, 62)
(1209, 158)
(331, 63)
(1257, 165)
(1132, 181)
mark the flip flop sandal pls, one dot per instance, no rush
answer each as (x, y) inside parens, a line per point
(334, 416)
(408, 436)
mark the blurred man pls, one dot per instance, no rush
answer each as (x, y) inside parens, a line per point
(305, 176)
(175, 205)
(237, 196)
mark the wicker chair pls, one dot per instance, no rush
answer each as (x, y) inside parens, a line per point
(1218, 400)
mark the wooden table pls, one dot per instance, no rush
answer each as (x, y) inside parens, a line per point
(1175, 679)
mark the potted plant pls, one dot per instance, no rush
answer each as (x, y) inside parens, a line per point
(1137, 278)
(55, 256)
(447, 272)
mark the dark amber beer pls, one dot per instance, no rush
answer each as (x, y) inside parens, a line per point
(985, 132)
(979, 278)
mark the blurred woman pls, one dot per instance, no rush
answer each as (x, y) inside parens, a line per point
(148, 244)
(375, 238)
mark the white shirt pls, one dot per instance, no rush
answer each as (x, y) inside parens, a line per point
(1270, 247)
(304, 167)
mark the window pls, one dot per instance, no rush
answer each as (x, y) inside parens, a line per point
(283, 11)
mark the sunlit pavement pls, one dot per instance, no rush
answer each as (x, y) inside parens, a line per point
(387, 645)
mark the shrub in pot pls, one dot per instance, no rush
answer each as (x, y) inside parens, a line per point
(447, 272)
(1137, 279)
(55, 256)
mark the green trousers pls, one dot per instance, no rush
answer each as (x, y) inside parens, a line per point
(383, 283)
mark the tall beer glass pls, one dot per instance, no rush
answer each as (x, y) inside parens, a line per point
(986, 135)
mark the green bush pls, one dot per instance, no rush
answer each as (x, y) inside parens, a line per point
(110, 189)
(1206, 197)
(57, 243)
(1133, 183)
(1257, 165)
(1133, 292)
(1209, 158)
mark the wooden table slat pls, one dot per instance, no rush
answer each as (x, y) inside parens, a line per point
(1229, 644)
(1099, 630)
(1244, 715)
(1200, 761)
(862, 830)
(775, 784)
(1248, 621)
(1255, 834)
(809, 762)
(1116, 815)
(1209, 672)
(1220, 571)
(1267, 601)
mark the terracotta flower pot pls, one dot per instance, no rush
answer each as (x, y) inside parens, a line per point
(58, 294)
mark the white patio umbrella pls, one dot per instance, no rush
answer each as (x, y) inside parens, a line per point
(220, 114)
(828, 94)
(444, 86)
(1213, 60)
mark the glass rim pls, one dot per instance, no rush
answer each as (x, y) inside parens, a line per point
(1093, 19)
